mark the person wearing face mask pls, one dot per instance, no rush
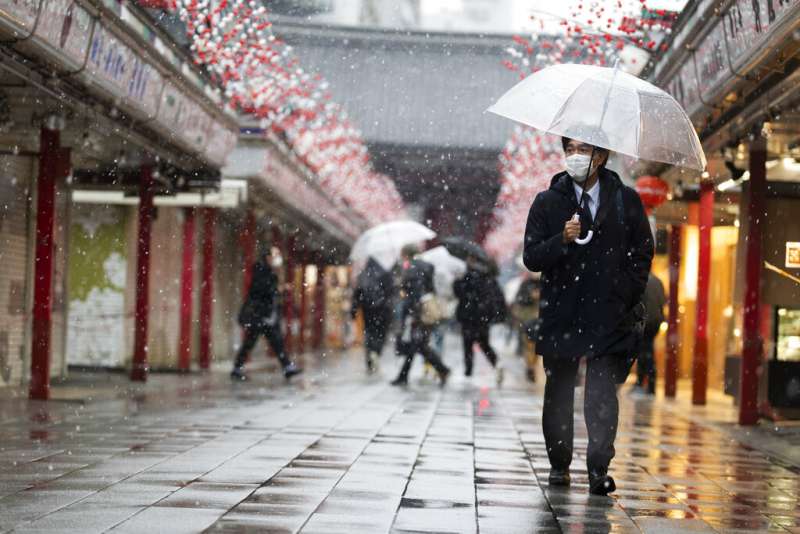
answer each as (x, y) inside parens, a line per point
(260, 315)
(590, 295)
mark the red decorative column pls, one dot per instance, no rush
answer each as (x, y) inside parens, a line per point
(248, 243)
(753, 344)
(700, 367)
(187, 292)
(301, 336)
(288, 304)
(54, 163)
(140, 367)
(319, 307)
(673, 334)
(207, 287)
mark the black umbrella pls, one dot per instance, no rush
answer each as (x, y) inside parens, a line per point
(463, 248)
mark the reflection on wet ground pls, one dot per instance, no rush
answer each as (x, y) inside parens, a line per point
(341, 452)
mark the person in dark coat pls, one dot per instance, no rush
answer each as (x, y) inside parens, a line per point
(654, 300)
(475, 313)
(414, 335)
(589, 305)
(373, 295)
(260, 315)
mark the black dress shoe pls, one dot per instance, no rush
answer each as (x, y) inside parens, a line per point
(399, 381)
(238, 374)
(291, 370)
(558, 477)
(601, 484)
(443, 376)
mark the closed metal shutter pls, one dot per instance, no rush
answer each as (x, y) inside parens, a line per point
(15, 181)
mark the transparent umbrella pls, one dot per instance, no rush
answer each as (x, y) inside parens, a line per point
(446, 269)
(384, 242)
(608, 108)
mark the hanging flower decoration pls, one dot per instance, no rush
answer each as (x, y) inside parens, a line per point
(592, 35)
(261, 76)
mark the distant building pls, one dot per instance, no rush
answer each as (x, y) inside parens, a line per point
(471, 16)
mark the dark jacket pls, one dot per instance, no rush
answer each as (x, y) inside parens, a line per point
(474, 292)
(654, 300)
(262, 296)
(374, 290)
(417, 281)
(588, 291)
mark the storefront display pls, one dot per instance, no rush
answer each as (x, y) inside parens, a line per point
(787, 335)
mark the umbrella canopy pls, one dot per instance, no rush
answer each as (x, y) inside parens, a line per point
(447, 268)
(463, 248)
(384, 242)
(608, 108)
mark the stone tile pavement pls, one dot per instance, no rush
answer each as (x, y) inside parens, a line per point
(342, 452)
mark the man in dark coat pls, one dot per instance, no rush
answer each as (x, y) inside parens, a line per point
(260, 315)
(590, 296)
(654, 300)
(373, 295)
(475, 313)
(414, 333)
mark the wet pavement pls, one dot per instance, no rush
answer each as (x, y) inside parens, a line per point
(342, 452)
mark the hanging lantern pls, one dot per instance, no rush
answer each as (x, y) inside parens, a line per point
(652, 190)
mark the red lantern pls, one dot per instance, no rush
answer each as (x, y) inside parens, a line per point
(652, 190)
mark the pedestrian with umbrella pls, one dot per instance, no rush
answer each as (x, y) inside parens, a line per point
(417, 291)
(589, 237)
(373, 296)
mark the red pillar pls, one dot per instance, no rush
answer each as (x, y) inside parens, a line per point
(248, 243)
(673, 334)
(301, 341)
(752, 352)
(319, 307)
(289, 301)
(139, 369)
(187, 292)
(207, 287)
(53, 164)
(700, 367)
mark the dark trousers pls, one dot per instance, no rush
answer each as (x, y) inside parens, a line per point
(600, 409)
(646, 366)
(274, 338)
(419, 344)
(471, 334)
(376, 323)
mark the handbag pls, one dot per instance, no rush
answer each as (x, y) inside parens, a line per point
(431, 311)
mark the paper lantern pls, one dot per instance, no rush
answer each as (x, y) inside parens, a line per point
(652, 190)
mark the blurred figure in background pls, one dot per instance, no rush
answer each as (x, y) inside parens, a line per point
(415, 334)
(654, 301)
(480, 304)
(373, 295)
(525, 311)
(261, 315)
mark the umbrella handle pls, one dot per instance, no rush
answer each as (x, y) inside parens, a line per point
(589, 234)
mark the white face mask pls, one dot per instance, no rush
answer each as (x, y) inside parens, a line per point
(578, 167)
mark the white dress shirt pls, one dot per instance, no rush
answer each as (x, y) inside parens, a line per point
(594, 197)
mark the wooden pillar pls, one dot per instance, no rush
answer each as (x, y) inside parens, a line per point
(248, 243)
(207, 287)
(673, 330)
(319, 307)
(54, 163)
(700, 364)
(301, 339)
(753, 344)
(187, 292)
(142, 312)
(288, 303)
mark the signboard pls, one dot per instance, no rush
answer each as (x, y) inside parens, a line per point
(18, 17)
(121, 71)
(793, 254)
(67, 28)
